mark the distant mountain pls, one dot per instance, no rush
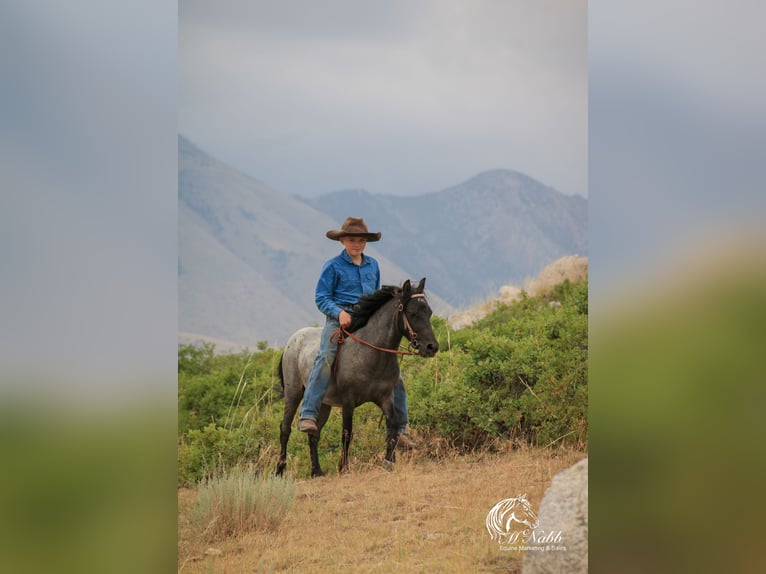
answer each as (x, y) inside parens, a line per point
(249, 256)
(497, 228)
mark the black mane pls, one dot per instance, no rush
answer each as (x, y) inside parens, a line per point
(368, 304)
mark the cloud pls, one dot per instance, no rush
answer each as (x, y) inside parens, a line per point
(393, 97)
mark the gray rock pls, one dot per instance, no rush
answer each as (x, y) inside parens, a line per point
(564, 509)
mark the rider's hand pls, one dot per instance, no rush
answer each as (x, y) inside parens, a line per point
(344, 319)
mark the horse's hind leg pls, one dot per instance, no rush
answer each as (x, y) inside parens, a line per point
(291, 407)
(324, 413)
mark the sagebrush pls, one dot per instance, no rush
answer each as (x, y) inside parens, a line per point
(240, 500)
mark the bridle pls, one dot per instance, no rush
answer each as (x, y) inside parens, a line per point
(413, 348)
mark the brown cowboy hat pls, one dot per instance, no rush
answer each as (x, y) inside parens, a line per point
(353, 226)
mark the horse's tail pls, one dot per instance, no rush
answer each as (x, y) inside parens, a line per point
(280, 389)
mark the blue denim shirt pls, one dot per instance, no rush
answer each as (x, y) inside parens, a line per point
(342, 283)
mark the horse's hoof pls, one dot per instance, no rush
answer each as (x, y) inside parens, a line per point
(388, 465)
(317, 474)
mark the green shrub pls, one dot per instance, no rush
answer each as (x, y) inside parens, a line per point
(225, 415)
(195, 359)
(221, 389)
(520, 374)
(214, 449)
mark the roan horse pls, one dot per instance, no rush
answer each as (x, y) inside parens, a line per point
(366, 368)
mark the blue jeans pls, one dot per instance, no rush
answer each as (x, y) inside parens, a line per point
(319, 380)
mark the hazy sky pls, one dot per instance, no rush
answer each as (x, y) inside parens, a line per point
(91, 106)
(396, 97)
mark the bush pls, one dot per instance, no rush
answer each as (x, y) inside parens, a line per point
(195, 359)
(240, 501)
(518, 374)
(221, 389)
(212, 450)
(225, 415)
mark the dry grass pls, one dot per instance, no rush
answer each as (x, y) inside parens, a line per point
(572, 267)
(425, 516)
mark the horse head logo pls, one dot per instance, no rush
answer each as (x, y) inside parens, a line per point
(511, 518)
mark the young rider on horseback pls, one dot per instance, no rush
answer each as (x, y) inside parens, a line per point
(342, 282)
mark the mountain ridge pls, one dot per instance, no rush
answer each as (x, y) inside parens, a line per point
(249, 254)
(499, 226)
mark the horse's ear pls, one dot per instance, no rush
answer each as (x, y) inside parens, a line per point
(406, 286)
(421, 285)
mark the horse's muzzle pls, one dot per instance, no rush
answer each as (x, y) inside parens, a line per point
(428, 349)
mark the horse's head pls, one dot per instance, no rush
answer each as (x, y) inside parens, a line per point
(416, 319)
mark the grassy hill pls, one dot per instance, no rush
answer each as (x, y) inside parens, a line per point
(498, 411)
(426, 516)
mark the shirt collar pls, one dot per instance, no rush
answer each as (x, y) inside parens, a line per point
(345, 257)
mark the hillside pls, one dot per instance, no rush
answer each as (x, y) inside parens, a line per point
(249, 254)
(515, 379)
(426, 516)
(570, 268)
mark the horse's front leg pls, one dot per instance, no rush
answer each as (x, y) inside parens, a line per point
(316, 470)
(392, 426)
(348, 423)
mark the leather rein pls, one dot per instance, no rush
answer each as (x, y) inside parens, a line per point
(340, 334)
